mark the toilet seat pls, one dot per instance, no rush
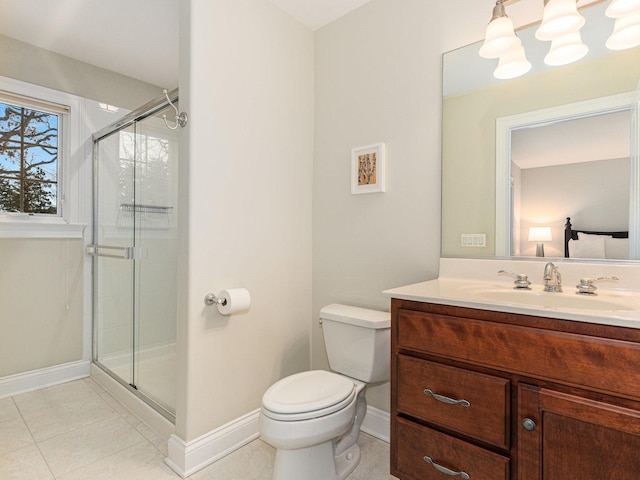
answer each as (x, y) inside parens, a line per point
(307, 395)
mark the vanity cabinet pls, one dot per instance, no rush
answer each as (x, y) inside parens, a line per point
(487, 395)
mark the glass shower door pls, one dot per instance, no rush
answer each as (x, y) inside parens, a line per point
(135, 257)
(114, 242)
(156, 269)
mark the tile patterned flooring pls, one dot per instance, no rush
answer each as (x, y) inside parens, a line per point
(77, 431)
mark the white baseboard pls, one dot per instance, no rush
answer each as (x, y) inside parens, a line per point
(45, 377)
(376, 424)
(186, 458)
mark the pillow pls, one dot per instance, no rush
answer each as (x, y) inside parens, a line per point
(588, 247)
(616, 248)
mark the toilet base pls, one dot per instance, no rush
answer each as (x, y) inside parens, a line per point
(347, 462)
(315, 463)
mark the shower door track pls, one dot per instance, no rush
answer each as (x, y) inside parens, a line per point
(138, 114)
(134, 390)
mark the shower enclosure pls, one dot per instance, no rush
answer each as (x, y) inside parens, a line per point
(135, 253)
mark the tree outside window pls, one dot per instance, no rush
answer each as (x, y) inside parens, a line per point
(28, 160)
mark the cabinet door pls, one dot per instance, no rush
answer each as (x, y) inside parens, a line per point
(566, 437)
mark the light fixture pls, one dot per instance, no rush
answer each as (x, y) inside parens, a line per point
(540, 234)
(561, 24)
(626, 33)
(626, 29)
(559, 18)
(500, 37)
(565, 50)
(620, 8)
(513, 64)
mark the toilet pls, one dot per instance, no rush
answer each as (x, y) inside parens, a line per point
(313, 418)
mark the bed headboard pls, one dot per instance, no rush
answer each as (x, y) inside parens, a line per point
(571, 234)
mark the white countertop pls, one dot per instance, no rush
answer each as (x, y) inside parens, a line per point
(467, 283)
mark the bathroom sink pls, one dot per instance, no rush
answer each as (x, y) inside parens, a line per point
(550, 300)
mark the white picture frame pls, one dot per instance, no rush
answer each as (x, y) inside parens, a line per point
(368, 169)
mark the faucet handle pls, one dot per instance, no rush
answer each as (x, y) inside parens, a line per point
(587, 287)
(521, 280)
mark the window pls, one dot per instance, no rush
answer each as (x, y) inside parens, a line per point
(29, 159)
(45, 162)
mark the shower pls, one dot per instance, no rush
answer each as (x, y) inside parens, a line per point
(134, 249)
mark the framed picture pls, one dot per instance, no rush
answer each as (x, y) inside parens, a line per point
(368, 169)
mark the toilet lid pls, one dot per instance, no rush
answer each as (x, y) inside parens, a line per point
(308, 392)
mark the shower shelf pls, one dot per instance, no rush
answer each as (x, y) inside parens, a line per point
(147, 216)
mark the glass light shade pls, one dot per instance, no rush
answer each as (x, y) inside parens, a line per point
(620, 8)
(559, 18)
(512, 65)
(565, 50)
(626, 33)
(540, 234)
(500, 38)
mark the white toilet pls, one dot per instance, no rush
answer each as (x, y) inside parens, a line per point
(313, 418)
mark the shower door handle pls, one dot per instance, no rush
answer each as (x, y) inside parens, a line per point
(122, 253)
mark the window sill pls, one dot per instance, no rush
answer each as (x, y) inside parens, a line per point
(28, 228)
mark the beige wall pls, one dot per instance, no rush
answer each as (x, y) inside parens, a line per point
(42, 67)
(468, 182)
(377, 80)
(41, 303)
(247, 82)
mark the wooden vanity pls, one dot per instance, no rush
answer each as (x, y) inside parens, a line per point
(488, 395)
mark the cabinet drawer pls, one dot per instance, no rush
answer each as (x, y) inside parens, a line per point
(569, 358)
(415, 442)
(483, 410)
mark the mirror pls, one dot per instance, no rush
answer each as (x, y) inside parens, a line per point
(488, 123)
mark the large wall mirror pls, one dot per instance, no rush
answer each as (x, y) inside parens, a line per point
(529, 152)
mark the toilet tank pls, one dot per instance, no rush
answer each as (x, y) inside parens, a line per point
(358, 341)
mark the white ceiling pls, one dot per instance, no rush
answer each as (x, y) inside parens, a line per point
(318, 13)
(138, 38)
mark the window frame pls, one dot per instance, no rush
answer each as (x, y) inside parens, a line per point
(66, 223)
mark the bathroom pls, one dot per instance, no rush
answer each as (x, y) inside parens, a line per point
(274, 214)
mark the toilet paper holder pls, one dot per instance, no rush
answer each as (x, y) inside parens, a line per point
(211, 299)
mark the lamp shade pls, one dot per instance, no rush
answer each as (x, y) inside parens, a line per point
(512, 65)
(559, 18)
(565, 50)
(620, 8)
(540, 234)
(626, 33)
(500, 38)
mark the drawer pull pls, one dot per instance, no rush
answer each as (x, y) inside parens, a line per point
(443, 399)
(446, 470)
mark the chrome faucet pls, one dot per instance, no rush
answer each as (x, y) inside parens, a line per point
(552, 278)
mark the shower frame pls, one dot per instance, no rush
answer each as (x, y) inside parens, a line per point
(137, 115)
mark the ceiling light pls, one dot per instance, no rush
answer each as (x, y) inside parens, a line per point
(559, 18)
(500, 37)
(620, 8)
(565, 50)
(512, 64)
(626, 33)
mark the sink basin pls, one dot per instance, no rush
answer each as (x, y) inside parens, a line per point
(539, 299)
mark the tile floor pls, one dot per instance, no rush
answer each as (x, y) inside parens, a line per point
(77, 431)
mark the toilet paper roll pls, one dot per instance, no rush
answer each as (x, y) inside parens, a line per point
(234, 300)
